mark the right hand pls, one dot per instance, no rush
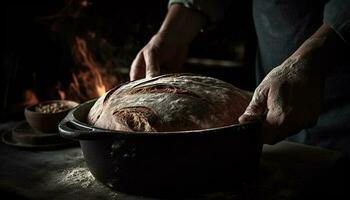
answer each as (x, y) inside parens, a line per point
(168, 48)
(163, 50)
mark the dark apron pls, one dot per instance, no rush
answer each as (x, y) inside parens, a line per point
(282, 26)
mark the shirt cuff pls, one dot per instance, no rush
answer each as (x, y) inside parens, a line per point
(337, 16)
(212, 9)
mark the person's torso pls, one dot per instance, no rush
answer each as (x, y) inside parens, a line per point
(282, 26)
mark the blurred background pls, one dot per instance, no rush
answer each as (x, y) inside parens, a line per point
(78, 49)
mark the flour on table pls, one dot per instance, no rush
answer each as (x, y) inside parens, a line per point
(78, 175)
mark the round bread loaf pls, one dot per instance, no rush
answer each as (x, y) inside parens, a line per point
(172, 102)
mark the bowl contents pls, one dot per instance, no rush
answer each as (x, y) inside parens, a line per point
(172, 102)
(53, 107)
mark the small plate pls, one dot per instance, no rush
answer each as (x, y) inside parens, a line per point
(23, 136)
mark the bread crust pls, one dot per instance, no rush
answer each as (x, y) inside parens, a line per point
(172, 102)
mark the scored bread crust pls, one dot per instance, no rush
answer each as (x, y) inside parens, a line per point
(172, 102)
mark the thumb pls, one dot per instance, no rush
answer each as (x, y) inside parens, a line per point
(137, 70)
(152, 65)
(256, 107)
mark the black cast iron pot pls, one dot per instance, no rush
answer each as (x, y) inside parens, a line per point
(176, 163)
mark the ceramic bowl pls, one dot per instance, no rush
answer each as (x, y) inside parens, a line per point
(45, 116)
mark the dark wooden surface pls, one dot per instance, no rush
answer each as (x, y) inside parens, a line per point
(288, 171)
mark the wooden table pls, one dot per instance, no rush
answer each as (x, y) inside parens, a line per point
(288, 171)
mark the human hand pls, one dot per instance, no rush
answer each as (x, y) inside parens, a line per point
(163, 50)
(168, 48)
(290, 96)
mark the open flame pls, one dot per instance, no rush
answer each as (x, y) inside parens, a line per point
(91, 79)
(93, 74)
(61, 94)
(86, 59)
(30, 98)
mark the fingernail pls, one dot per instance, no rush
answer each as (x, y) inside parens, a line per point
(246, 118)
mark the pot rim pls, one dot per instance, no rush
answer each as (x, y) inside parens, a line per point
(73, 128)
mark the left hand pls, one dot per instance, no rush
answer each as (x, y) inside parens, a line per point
(292, 93)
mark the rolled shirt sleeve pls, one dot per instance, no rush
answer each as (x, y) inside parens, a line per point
(213, 9)
(337, 16)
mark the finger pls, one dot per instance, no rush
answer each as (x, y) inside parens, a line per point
(274, 126)
(152, 65)
(279, 98)
(256, 107)
(279, 126)
(137, 70)
(271, 133)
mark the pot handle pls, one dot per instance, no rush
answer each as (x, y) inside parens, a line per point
(70, 129)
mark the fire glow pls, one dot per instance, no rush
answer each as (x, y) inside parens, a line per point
(90, 71)
(90, 81)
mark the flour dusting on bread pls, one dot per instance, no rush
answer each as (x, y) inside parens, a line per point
(173, 102)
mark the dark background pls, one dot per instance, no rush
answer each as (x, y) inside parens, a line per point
(36, 52)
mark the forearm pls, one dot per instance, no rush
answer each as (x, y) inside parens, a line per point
(183, 22)
(323, 47)
(325, 40)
